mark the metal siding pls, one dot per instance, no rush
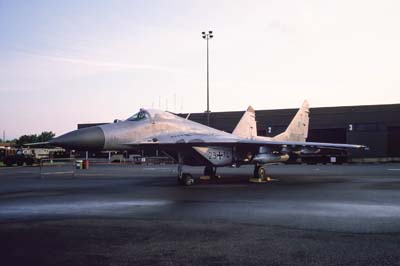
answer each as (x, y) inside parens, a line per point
(375, 140)
(332, 135)
(394, 141)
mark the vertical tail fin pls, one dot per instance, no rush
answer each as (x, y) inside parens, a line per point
(247, 126)
(298, 127)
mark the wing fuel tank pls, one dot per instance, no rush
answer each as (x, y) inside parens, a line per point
(270, 158)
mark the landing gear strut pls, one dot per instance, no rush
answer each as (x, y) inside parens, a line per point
(210, 171)
(184, 179)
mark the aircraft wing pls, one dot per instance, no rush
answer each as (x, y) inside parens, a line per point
(209, 140)
(320, 145)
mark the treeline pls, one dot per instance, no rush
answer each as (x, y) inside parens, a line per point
(42, 137)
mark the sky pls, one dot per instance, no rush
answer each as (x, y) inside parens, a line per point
(69, 62)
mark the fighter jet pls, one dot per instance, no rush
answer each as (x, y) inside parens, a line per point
(194, 144)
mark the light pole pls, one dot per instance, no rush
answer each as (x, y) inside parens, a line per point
(208, 36)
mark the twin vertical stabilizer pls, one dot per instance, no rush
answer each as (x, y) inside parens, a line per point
(298, 128)
(296, 131)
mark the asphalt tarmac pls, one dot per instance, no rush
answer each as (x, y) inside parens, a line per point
(135, 215)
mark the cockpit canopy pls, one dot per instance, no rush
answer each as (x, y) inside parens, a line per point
(139, 116)
(152, 114)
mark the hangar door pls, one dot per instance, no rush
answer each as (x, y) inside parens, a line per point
(394, 141)
(332, 135)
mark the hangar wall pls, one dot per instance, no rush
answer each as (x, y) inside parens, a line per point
(376, 126)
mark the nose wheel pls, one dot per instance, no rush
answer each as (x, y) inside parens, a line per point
(184, 179)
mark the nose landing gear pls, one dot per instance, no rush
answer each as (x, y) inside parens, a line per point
(184, 179)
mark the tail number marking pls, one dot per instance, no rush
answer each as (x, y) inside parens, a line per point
(214, 155)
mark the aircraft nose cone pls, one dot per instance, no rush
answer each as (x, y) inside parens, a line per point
(91, 138)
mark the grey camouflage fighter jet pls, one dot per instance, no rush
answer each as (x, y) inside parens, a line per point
(194, 144)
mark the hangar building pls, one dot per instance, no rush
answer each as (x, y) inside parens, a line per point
(376, 126)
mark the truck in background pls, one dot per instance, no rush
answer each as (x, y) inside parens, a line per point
(29, 156)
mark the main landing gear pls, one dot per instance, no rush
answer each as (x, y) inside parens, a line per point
(260, 175)
(210, 172)
(259, 172)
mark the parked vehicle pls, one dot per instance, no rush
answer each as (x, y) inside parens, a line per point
(13, 156)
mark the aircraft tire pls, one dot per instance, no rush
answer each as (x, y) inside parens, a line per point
(187, 179)
(259, 172)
